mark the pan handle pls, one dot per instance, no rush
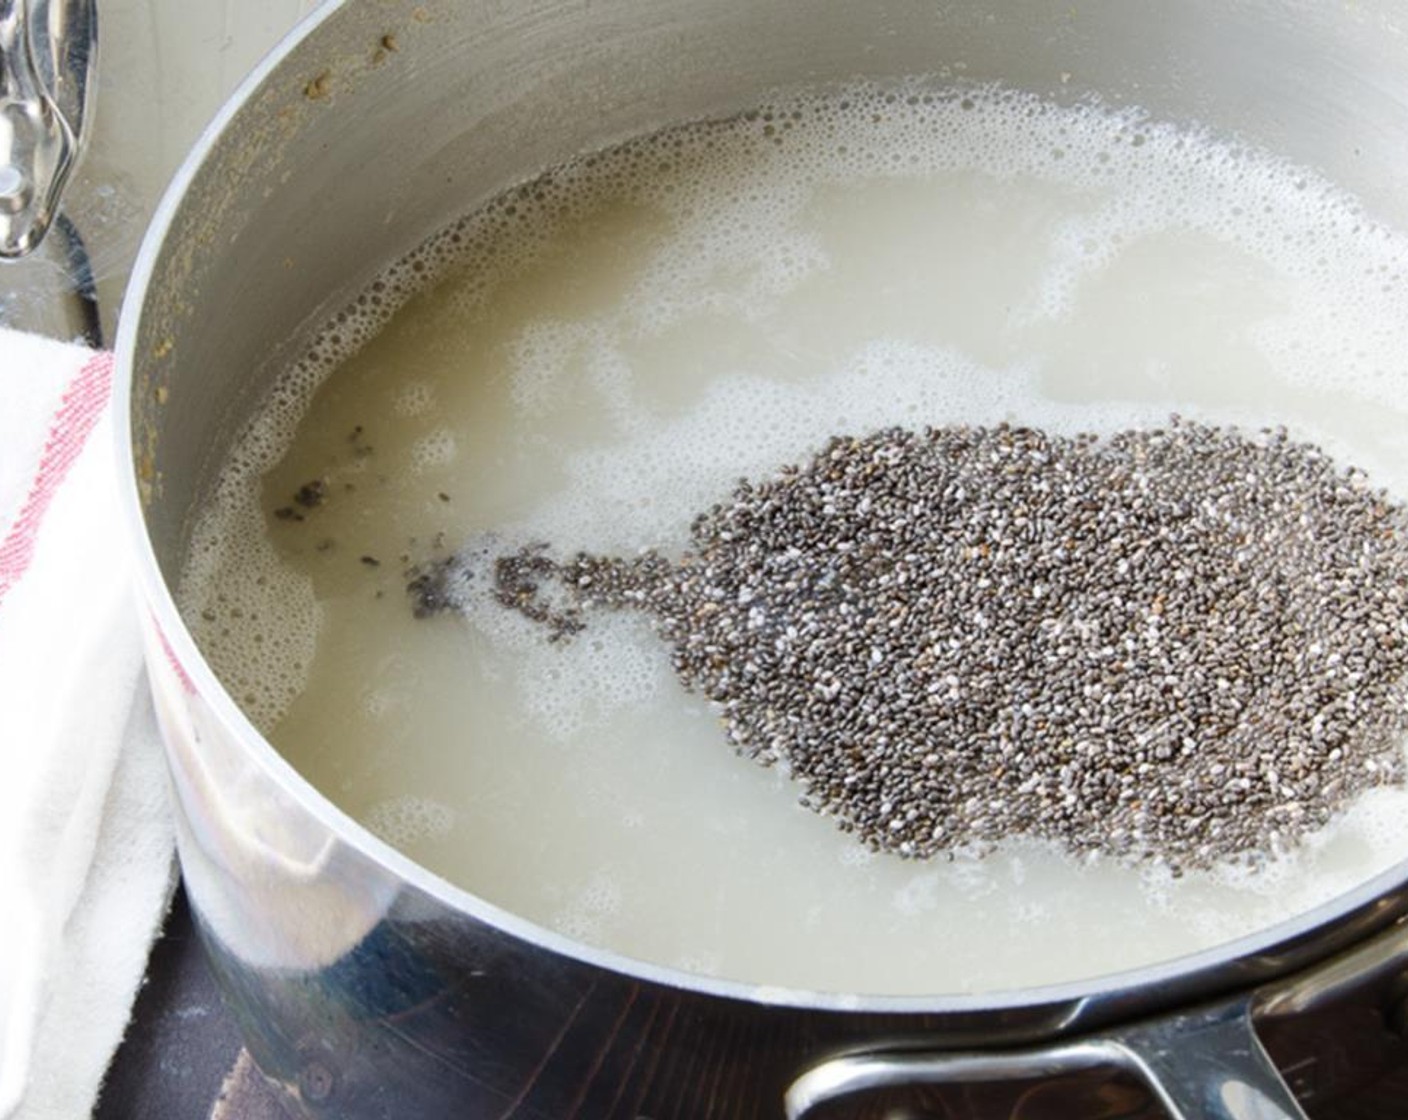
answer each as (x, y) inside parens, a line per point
(1206, 1064)
(48, 53)
(1209, 1065)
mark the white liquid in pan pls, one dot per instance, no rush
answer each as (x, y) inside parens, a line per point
(604, 354)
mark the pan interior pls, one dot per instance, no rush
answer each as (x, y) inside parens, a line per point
(1224, 373)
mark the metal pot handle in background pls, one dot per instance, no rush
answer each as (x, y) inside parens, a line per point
(1203, 1064)
(48, 53)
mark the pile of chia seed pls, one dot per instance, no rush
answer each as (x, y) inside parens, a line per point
(1183, 644)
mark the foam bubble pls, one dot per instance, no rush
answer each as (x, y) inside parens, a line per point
(591, 905)
(413, 398)
(256, 620)
(564, 689)
(406, 820)
(539, 362)
(438, 449)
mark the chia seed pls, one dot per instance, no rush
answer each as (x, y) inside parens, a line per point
(311, 494)
(1183, 644)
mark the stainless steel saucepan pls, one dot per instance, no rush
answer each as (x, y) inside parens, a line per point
(367, 986)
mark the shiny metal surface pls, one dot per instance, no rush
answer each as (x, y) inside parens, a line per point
(167, 66)
(48, 52)
(1198, 1064)
(365, 985)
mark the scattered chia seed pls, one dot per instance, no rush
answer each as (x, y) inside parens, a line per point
(1183, 644)
(311, 494)
(360, 447)
(433, 587)
(370, 561)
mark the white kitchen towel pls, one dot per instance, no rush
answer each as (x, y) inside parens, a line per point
(85, 828)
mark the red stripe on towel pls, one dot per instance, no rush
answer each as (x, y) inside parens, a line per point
(79, 409)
